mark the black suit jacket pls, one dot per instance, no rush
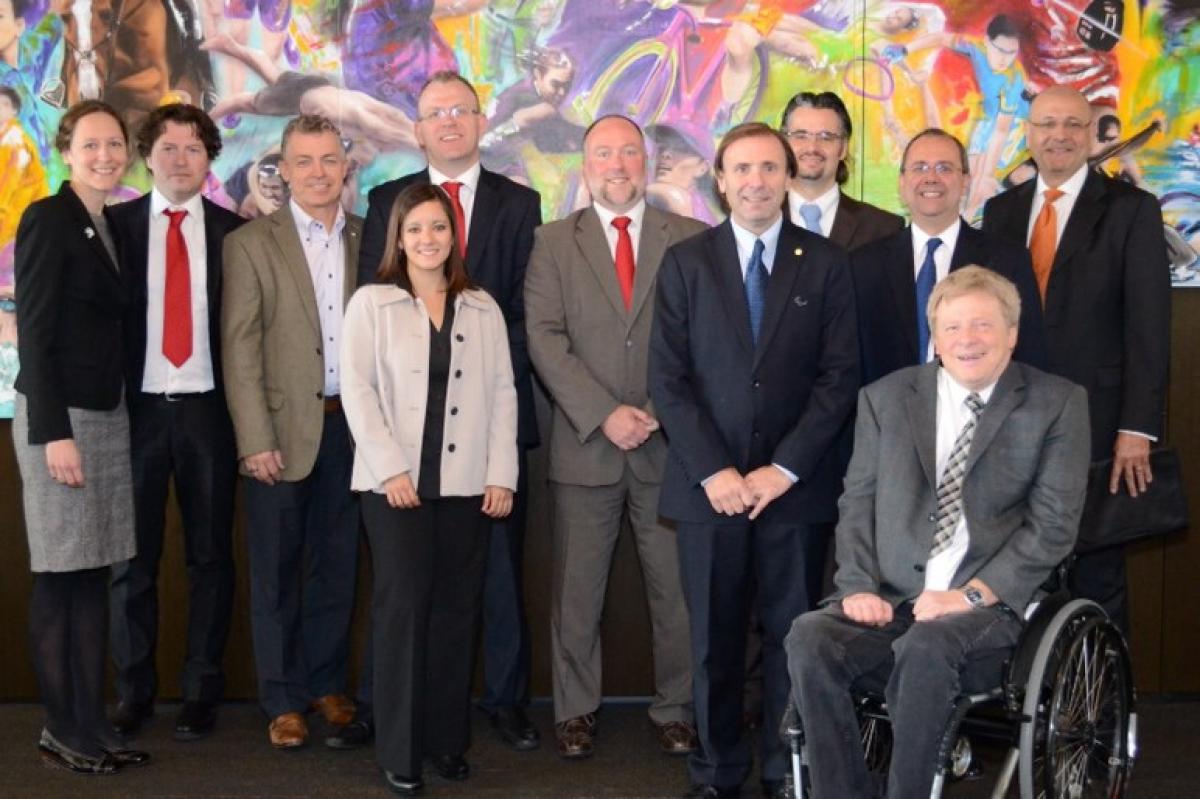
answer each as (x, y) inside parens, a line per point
(131, 228)
(886, 291)
(498, 246)
(1108, 302)
(857, 224)
(724, 402)
(70, 303)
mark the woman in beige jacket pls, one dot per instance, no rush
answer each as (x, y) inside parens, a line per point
(427, 386)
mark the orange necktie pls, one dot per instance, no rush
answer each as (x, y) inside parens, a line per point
(1044, 241)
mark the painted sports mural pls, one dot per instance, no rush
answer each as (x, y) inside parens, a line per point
(686, 70)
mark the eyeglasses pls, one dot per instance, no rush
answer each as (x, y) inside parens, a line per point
(1069, 125)
(454, 112)
(942, 168)
(823, 136)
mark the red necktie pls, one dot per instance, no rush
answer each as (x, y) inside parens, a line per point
(1044, 241)
(453, 187)
(177, 295)
(624, 259)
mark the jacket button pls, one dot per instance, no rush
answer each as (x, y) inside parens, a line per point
(933, 517)
(450, 448)
(628, 342)
(458, 372)
(458, 337)
(756, 384)
(920, 567)
(320, 395)
(755, 434)
(454, 411)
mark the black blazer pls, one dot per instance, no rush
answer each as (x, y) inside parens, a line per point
(1108, 302)
(724, 402)
(131, 227)
(498, 246)
(857, 224)
(886, 292)
(70, 304)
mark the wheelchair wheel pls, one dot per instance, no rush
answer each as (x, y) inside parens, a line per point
(875, 730)
(1075, 741)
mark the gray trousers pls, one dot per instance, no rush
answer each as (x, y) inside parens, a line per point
(587, 522)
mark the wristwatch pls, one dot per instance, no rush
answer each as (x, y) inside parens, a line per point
(974, 596)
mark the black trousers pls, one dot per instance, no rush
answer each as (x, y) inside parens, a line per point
(190, 439)
(429, 565)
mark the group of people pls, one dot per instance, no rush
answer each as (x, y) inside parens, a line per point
(707, 386)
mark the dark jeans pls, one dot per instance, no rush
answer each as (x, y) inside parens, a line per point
(828, 653)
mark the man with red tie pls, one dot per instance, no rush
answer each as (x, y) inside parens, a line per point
(497, 217)
(589, 303)
(170, 253)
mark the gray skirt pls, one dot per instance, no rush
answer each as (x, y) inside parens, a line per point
(70, 529)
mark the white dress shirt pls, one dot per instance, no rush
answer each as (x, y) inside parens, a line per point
(1062, 207)
(952, 416)
(466, 194)
(745, 244)
(941, 262)
(827, 202)
(636, 214)
(325, 253)
(160, 376)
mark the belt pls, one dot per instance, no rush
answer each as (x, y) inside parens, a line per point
(168, 396)
(333, 404)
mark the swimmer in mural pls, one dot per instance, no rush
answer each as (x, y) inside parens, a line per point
(683, 180)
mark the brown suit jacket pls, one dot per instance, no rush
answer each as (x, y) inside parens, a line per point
(271, 339)
(857, 223)
(588, 350)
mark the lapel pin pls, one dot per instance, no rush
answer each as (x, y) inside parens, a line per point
(87, 231)
(800, 301)
(798, 251)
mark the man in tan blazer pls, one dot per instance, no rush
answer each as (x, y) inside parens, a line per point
(287, 278)
(589, 292)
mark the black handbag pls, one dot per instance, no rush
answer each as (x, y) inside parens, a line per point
(1112, 519)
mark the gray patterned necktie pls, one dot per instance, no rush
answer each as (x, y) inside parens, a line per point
(949, 490)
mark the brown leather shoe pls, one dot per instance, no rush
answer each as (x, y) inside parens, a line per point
(575, 736)
(337, 709)
(288, 731)
(677, 738)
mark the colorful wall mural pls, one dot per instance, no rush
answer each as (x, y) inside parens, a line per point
(687, 70)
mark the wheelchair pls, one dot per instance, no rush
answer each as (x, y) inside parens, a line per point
(1064, 706)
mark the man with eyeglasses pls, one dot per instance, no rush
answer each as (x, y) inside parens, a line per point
(1102, 271)
(894, 277)
(496, 218)
(818, 128)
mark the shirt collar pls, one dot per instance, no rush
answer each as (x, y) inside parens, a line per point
(1070, 187)
(745, 242)
(470, 178)
(307, 223)
(635, 214)
(949, 237)
(958, 393)
(159, 203)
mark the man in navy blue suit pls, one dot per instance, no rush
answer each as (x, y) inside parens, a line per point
(753, 370)
(894, 276)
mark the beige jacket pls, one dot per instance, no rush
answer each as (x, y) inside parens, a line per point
(385, 382)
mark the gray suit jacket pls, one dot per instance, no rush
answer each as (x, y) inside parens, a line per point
(1023, 495)
(274, 359)
(588, 350)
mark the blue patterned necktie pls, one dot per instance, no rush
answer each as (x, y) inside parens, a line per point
(756, 288)
(926, 279)
(811, 214)
(949, 490)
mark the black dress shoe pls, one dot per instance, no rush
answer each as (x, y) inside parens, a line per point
(779, 789)
(405, 786)
(515, 728)
(128, 718)
(452, 767)
(712, 792)
(196, 720)
(54, 753)
(128, 758)
(354, 735)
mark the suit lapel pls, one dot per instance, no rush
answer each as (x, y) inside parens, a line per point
(84, 220)
(1087, 211)
(651, 245)
(922, 419)
(294, 262)
(1016, 226)
(789, 260)
(137, 245)
(351, 237)
(845, 222)
(900, 268)
(727, 268)
(1009, 393)
(483, 215)
(214, 238)
(590, 238)
(966, 249)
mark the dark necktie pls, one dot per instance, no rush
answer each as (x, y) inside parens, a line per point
(756, 288)
(926, 279)
(625, 265)
(452, 188)
(177, 294)
(949, 490)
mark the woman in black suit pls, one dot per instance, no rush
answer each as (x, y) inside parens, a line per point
(71, 435)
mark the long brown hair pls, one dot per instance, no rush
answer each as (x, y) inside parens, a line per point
(394, 266)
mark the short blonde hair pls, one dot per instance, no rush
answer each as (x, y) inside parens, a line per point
(308, 123)
(975, 279)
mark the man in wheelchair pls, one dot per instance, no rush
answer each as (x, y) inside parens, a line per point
(964, 492)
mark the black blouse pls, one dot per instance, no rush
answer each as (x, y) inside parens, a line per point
(430, 482)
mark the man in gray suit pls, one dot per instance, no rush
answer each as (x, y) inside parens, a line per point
(287, 278)
(588, 309)
(964, 492)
